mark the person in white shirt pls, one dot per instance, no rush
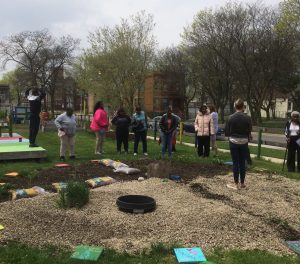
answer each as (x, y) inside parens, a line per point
(292, 133)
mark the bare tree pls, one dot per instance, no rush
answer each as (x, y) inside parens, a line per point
(177, 61)
(40, 55)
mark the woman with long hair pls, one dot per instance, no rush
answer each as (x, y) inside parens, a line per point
(99, 125)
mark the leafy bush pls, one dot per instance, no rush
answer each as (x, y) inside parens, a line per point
(4, 190)
(76, 194)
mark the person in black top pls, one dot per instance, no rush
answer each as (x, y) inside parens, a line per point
(238, 128)
(34, 97)
(168, 125)
(122, 122)
(292, 133)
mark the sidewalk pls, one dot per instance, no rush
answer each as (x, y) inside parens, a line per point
(274, 160)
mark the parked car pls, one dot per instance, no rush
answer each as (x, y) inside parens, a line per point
(155, 120)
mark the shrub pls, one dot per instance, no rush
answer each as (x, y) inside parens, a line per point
(76, 195)
(4, 190)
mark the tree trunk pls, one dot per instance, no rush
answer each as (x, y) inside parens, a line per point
(222, 114)
(52, 104)
(268, 113)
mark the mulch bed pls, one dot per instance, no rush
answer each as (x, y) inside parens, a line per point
(84, 171)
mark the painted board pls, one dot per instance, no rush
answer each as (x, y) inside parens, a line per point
(189, 255)
(294, 245)
(83, 252)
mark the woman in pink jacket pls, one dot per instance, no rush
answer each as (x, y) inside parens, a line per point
(204, 127)
(99, 125)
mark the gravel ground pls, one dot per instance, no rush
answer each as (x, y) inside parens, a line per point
(203, 212)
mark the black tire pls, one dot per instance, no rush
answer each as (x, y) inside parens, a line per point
(136, 204)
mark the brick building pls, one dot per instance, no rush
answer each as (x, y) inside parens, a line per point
(159, 91)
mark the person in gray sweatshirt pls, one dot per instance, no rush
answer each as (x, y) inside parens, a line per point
(66, 125)
(238, 128)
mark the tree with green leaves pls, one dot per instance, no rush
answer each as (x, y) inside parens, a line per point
(119, 58)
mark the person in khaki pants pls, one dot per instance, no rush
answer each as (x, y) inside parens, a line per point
(66, 124)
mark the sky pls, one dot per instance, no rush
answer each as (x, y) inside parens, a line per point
(79, 17)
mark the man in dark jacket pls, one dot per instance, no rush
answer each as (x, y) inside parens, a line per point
(238, 128)
(34, 97)
(167, 124)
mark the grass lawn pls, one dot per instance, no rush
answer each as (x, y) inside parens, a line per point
(13, 252)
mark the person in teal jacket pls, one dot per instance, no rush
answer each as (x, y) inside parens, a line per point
(139, 127)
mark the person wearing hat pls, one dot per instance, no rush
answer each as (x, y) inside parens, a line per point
(204, 128)
(292, 133)
(35, 97)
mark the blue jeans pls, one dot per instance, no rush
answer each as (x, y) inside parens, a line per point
(239, 156)
(166, 142)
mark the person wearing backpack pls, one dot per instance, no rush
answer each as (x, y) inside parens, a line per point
(99, 125)
(292, 133)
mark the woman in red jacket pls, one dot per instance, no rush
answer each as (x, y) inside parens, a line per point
(99, 125)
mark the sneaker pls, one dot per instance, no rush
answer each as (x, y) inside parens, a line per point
(145, 154)
(62, 158)
(33, 145)
(98, 153)
(243, 185)
(233, 186)
(134, 154)
(72, 157)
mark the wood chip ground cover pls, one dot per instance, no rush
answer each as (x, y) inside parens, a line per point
(201, 212)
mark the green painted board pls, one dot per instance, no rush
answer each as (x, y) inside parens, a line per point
(83, 252)
(18, 147)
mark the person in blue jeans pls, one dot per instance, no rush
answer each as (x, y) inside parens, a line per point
(139, 127)
(238, 128)
(167, 125)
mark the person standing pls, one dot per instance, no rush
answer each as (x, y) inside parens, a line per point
(213, 137)
(99, 125)
(204, 127)
(66, 124)
(139, 127)
(292, 133)
(122, 122)
(238, 128)
(35, 97)
(44, 116)
(168, 125)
